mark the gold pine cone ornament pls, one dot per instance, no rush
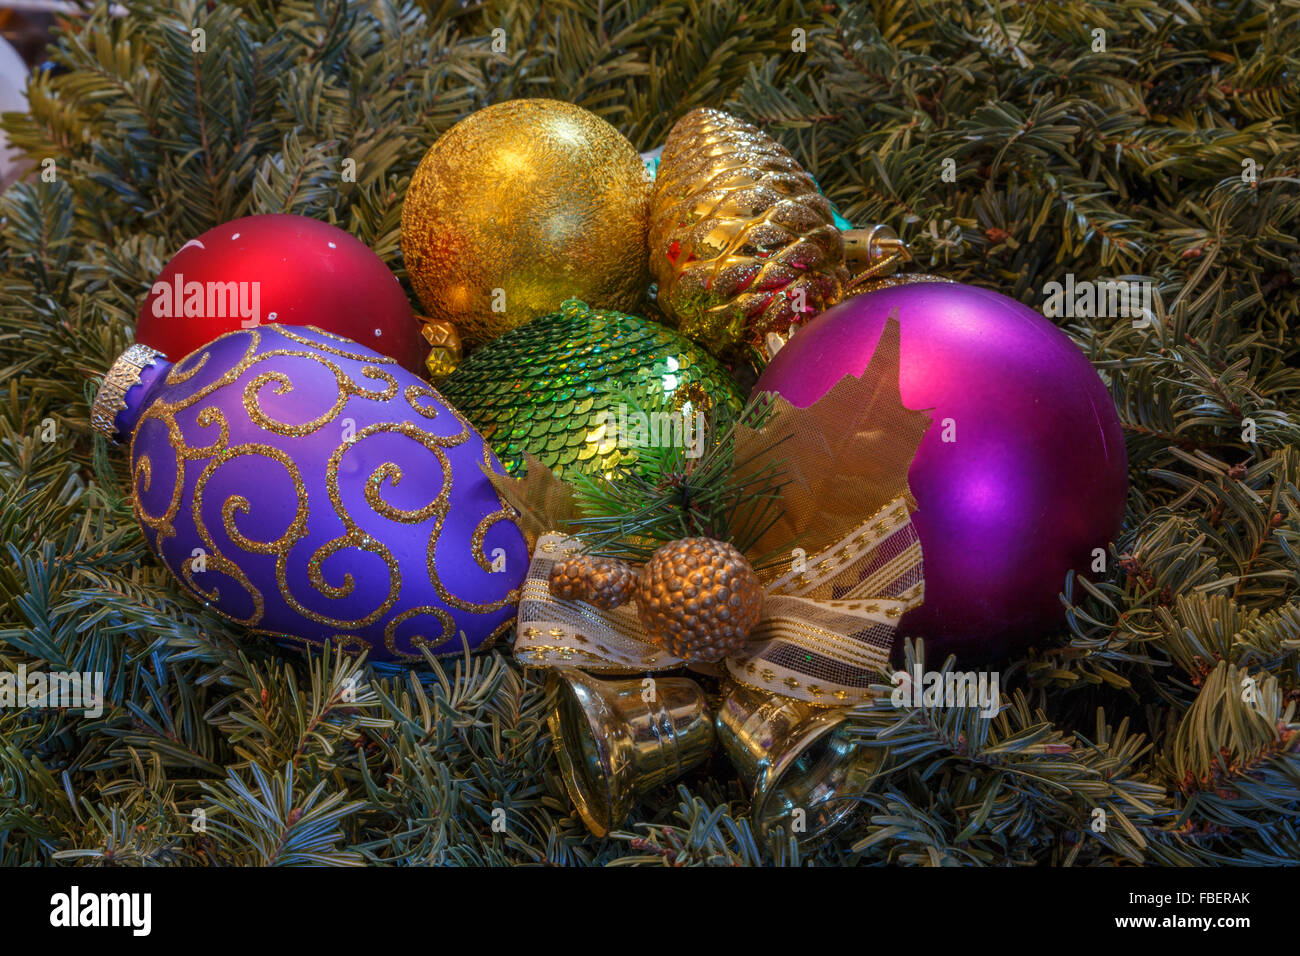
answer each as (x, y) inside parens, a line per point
(520, 206)
(697, 598)
(743, 245)
(603, 582)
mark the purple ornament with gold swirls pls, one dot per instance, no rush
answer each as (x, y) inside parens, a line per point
(312, 489)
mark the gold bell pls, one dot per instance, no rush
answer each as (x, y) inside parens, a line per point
(802, 767)
(619, 739)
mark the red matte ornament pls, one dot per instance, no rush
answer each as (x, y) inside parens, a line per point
(283, 270)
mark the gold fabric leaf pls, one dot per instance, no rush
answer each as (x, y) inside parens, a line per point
(845, 456)
(544, 502)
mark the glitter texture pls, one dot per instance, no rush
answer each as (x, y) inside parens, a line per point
(520, 206)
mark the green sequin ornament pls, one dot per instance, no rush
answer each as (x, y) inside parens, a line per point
(584, 389)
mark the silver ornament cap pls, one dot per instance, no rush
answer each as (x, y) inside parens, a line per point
(124, 375)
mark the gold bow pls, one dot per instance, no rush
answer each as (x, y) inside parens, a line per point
(830, 609)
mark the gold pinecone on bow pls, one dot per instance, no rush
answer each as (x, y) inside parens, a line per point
(602, 582)
(742, 243)
(697, 598)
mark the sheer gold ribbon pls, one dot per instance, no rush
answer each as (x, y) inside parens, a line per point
(824, 651)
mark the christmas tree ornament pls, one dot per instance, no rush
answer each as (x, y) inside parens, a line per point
(1023, 479)
(584, 389)
(804, 636)
(798, 763)
(312, 490)
(743, 245)
(520, 206)
(278, 269)
(604, 582)
(615, 742)
(444, 348)
(697, 598)
(820, 511)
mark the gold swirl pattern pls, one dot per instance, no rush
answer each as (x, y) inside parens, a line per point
(314, 525)
(412, 392)
(365, 355)
(438, 506)
(206, 419)
(143, 475)
(419, 640)
(179, 374)
(346, 390)
(355, 540)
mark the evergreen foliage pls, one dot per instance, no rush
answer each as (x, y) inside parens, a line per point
(1103, 164)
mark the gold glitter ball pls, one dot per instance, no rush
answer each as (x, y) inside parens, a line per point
(520, 206)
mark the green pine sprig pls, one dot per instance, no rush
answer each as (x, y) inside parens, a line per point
(666, 493)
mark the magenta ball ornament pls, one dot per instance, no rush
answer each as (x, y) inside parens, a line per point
(1023, 473)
